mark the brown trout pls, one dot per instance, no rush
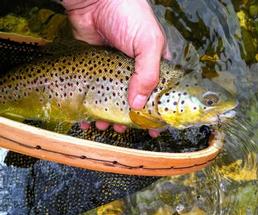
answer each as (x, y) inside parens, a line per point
(92, 85)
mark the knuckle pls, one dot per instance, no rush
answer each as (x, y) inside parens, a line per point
(157, 38)
(149, 82)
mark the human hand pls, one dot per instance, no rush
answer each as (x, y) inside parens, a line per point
(131, 27)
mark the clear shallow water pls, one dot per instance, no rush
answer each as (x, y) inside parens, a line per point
(229, 186)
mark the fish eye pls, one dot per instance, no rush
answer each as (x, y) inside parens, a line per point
(210, 99)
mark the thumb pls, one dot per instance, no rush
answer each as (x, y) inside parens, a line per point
(145, 78)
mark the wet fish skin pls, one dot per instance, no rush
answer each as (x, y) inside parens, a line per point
(92, 84)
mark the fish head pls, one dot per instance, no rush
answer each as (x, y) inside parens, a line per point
(195, 101)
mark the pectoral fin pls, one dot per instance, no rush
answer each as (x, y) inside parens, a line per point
(145, 121)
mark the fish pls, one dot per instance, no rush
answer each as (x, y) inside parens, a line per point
(92, 83)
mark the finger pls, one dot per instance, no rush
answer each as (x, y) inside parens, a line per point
(146, 76)
(119, 128)
(102, 125)
(154, 133)
(84, 125)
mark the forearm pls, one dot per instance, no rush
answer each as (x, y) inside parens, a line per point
(76, 4)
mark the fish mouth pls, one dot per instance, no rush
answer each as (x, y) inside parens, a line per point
(227, 115)
(222, 117)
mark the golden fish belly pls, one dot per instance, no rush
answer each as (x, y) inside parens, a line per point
(88, 85)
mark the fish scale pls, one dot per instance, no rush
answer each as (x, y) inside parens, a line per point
(92, 84)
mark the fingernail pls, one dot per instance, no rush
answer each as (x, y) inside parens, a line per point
(139, 101)
(154, 133)
(84, 125)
